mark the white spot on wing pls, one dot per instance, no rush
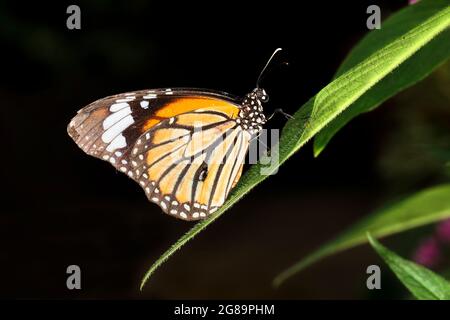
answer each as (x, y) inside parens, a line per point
(115, 117)
(117, 106)
(117, 128)
(144, 104)
(126, 99)
(117, 143)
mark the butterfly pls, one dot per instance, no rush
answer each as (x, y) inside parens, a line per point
(185, 147)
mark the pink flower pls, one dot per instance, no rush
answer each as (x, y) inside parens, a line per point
(443, 231)
(413, 1)
(428, 253)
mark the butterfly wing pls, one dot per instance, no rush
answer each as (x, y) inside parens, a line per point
(182, 146)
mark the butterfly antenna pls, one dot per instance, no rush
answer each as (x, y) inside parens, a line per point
(265, 67)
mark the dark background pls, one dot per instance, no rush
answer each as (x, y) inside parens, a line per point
(61, 207)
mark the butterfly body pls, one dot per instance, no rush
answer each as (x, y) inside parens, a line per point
(185, 147)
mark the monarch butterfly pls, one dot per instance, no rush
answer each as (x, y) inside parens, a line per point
(185, 147)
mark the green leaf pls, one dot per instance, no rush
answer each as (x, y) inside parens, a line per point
(427, 206)
(420, 65)
(320, 110)
(424, 284)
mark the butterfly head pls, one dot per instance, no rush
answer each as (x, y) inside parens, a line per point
(261, 94)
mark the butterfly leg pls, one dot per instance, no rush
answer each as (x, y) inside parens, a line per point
(279, 110)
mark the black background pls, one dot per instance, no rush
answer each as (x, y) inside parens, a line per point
(61, 207)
